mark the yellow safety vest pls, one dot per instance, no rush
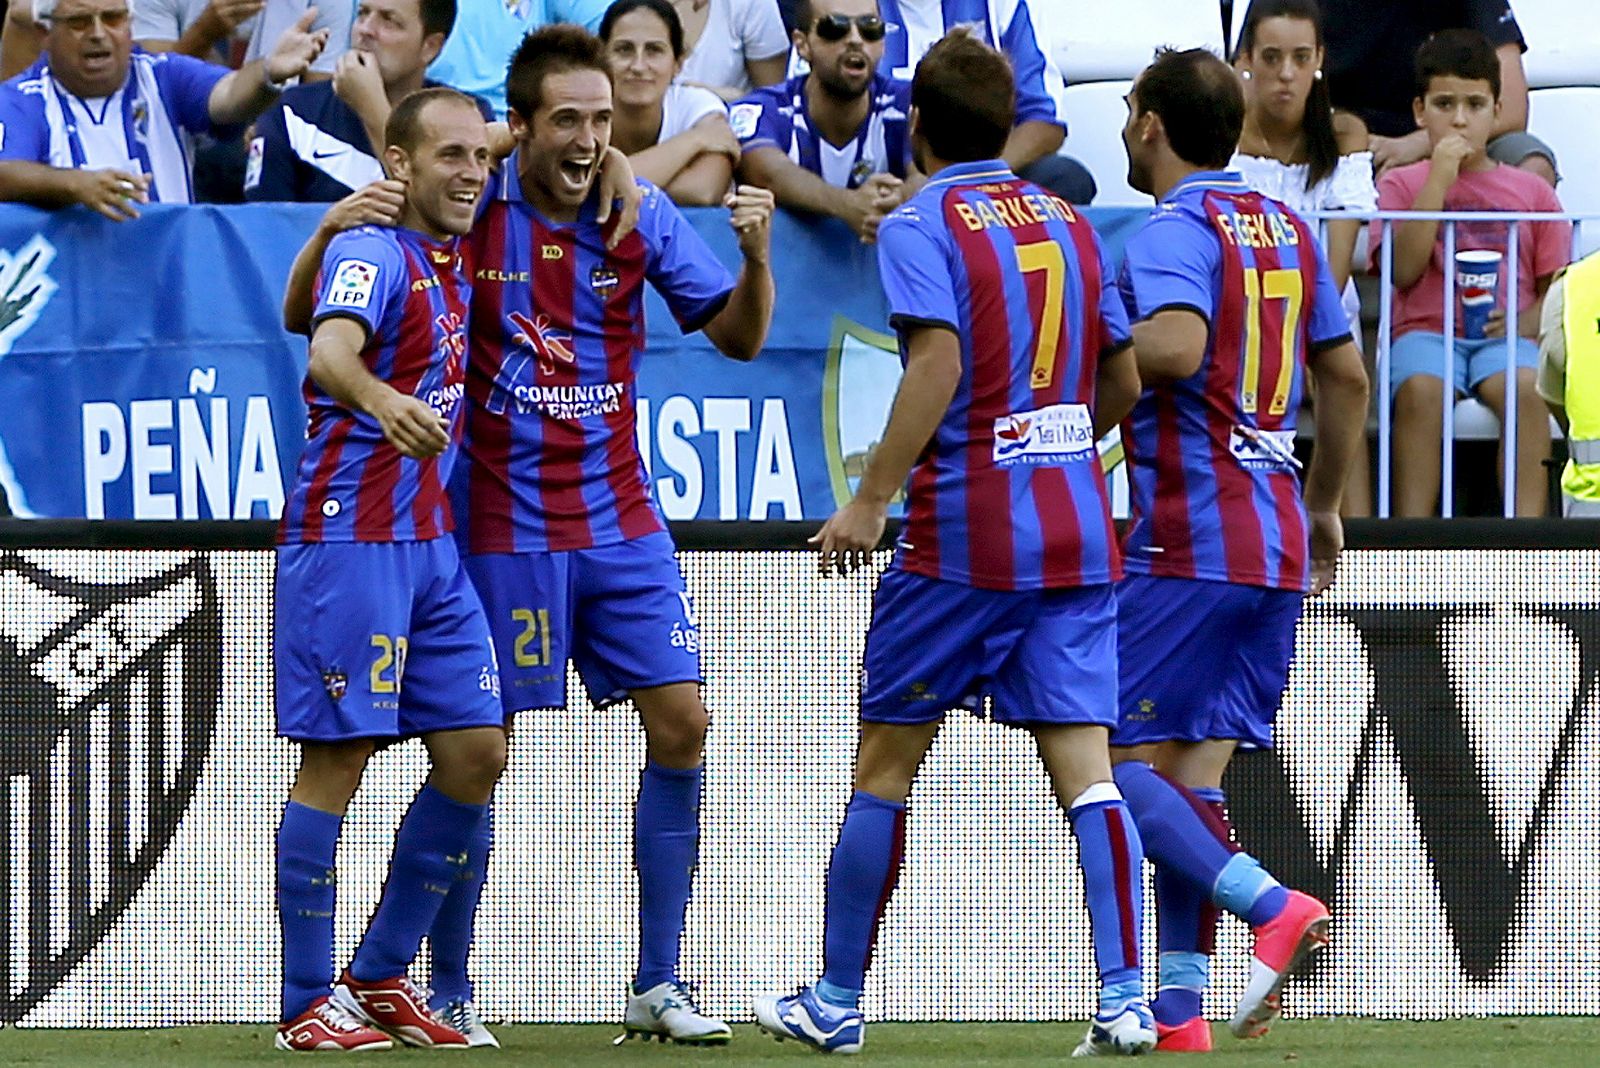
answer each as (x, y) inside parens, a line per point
(1581, 326)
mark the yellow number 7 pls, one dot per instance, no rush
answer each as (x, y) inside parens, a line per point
(1279, 284)
(1046, 256)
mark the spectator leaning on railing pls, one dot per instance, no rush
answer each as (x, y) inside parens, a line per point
(832, 141)
(316, 144)
(1458, 92)
(676, 136)
(100, 122)
(1569, 379)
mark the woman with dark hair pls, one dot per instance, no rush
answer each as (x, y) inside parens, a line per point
(1297, 149)
(675, 135)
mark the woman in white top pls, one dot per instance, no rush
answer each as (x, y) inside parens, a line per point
(732, 46)
(1297, 149)
(675, 135)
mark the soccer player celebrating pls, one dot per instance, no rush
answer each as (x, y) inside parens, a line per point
(377, 633)
(566, 544)
(1016, 361)
(1231, 302)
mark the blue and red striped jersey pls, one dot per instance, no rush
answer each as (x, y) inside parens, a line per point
(556, 334)
(1213, 480)
(1009, 494)
(410, 293)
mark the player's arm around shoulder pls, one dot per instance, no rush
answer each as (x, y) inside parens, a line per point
(378, 203)
(739, 330)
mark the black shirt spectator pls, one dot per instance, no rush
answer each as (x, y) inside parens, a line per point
(1372, 48)
(311, 147)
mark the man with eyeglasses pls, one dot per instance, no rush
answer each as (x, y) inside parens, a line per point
(100, 122)
(833, 141)
(1010, 26)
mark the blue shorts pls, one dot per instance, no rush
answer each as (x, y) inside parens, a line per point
(1202, 660)
(1045, 656)
(1422, 353)
(620, 612)
(379, 641)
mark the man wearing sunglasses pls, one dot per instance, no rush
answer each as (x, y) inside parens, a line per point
(1010, 26)
(100, 122)
(833, 141)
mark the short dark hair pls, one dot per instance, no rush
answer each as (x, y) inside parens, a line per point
(1199, 101)
(405, 121)
(438, 16)
(966, 97)
(1457, 54)
(663, 10)
(552, 49)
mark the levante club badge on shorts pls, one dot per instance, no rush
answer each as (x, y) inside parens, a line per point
(109, 687)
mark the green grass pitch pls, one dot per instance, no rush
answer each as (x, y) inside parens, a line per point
(1543, 1041)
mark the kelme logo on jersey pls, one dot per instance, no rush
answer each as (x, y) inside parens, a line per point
(1055, 434)
(108, 702)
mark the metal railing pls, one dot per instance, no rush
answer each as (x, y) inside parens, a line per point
(1510, 280)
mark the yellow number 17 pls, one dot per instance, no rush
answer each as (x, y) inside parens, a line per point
(1278, 284)
(1046, 256)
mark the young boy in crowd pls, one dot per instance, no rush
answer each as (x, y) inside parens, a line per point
(1458, 99)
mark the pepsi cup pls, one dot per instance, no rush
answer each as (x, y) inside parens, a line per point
(1477, 280)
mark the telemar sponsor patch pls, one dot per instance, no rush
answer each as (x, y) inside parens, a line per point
(1262, 450)
(352, 284)
(1056, 434)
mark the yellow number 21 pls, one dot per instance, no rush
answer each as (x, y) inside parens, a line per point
(1046, 256)
(1278, 284)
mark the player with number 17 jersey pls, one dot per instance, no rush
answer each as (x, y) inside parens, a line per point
(1213, 476)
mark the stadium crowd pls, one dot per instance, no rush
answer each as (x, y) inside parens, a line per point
(284, 100)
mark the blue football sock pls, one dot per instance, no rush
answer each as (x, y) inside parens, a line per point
(307, 841)
(430, 849)
(1113, 880)
(861, 878)
(450, 937)
(1181, 987)
(1186, 934)
(1182, 833)
(666, 848)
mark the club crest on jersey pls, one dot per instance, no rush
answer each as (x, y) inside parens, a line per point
(352, 284)
(336, 683)
(603, 280)
(1056, 434)
(860, 172)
